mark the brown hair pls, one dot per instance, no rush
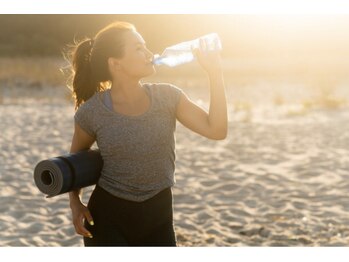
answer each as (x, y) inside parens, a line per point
(89, 60)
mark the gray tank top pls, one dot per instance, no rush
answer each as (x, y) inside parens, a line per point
(138, 151)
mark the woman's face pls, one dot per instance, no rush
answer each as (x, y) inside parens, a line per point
(137, 59)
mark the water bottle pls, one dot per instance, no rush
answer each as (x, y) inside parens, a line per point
(181, 53)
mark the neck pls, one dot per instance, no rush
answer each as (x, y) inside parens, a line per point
(129, 92)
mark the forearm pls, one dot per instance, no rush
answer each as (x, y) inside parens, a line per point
(75, 196)
(218, 116)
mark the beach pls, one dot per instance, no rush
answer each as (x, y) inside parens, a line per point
(280, 178)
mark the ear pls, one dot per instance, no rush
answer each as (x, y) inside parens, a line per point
(113, 63)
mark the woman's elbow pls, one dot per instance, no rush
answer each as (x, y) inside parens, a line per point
(219, 135)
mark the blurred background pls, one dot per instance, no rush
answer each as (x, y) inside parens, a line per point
(268, 60)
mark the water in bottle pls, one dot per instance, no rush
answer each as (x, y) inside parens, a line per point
(181, 53)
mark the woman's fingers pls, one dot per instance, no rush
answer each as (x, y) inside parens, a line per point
(89, 217)
(208, 59)
(79, 227)
(81, 213)
(202, 44)
(194, 51)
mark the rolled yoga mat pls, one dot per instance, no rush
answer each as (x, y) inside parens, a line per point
(66, 173)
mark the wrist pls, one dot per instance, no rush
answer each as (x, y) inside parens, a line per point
(75, 203)
(214, 74)
(74, 198)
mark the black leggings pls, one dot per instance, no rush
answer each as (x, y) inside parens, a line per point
(119, 222)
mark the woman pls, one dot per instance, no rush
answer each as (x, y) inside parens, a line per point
(133, 124)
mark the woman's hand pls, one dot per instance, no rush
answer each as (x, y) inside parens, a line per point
(214, 124)
(209, 60)
(80, 212)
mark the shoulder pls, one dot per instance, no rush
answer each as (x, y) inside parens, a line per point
(93, 100)
(165, 89)
(166, 95)
(89, 105)
(86, 115)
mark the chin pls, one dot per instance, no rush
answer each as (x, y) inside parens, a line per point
(149, 72)
(145, 72)
(152, 72)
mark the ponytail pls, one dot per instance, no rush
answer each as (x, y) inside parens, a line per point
(89, 61)
(84, 84)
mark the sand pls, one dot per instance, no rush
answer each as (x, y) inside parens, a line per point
(279, 181)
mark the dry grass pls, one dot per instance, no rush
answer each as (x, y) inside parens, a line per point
(32, 72)
(249, 84)
(38, 78)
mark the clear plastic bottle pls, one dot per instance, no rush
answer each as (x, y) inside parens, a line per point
(181, 53)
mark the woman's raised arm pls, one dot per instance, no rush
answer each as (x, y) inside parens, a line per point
(214, 124)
